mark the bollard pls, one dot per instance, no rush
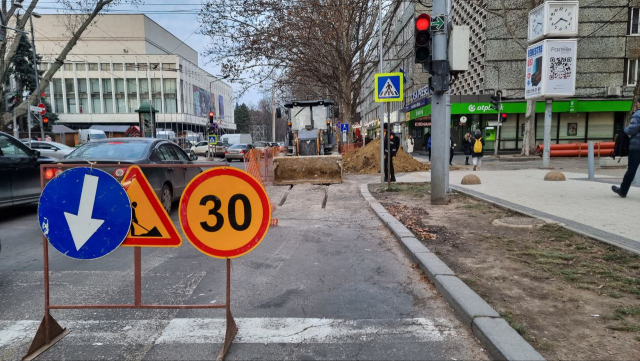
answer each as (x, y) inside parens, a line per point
(591, 162)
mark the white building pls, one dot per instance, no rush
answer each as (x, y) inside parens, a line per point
(123, 61)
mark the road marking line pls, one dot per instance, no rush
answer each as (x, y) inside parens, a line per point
(251, 330)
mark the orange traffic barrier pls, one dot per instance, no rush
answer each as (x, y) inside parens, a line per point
(576, 146)
(259, 163)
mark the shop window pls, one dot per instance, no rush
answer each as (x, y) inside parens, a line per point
(634, 23)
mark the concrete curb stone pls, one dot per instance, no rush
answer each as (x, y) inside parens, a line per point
(504, 342)
(500, 339)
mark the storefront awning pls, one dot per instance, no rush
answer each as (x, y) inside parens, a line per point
(563, 106)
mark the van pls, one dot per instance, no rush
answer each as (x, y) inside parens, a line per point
(240, 138)
(166, 134)
(88, 135)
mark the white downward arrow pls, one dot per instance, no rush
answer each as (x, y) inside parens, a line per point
(82, 226)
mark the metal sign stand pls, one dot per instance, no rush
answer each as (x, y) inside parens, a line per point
(51, 332)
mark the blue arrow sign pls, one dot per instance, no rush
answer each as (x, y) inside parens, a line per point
(84, 213)
(344, 128)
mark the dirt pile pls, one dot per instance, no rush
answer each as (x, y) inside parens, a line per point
(366, 160)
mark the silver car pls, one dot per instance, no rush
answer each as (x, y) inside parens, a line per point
(237, 151)
(50, 149)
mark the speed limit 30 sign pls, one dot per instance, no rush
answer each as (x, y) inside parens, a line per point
(225, 212)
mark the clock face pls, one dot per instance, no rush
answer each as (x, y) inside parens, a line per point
(536, 23)
(561, 18)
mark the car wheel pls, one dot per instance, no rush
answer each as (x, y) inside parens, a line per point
(167, 198)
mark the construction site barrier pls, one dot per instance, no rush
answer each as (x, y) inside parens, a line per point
(578, 149)
(259, 163)
(346, 148)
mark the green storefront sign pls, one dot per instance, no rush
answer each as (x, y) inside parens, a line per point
(572, 106)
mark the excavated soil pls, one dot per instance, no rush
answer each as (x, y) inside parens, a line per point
(367, 161)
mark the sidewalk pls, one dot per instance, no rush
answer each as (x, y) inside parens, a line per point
(586, 207)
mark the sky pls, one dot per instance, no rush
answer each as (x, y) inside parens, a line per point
(177, 16)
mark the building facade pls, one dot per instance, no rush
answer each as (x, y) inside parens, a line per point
(122, 62)
(607, 71)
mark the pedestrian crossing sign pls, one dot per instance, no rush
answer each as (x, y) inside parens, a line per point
(388, 87)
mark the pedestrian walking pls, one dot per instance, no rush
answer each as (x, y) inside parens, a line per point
(466, 147)
(395, 144)
(478, 150)
(410, 145)
(633, 131)
(429, 147)
(452, 146)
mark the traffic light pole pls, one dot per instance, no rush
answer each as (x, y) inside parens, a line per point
(440, 123)
(35, 68)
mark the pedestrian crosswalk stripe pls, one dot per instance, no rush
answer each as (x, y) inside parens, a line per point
(388, 90)
(250, 330)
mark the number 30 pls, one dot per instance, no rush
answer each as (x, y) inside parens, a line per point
(231, 210)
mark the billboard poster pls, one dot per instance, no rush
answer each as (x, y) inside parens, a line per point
(551, 69)
(201, 102)
(213, 104)
(221, 106)
(533, 82)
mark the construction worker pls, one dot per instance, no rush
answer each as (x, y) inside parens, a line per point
(395, 144)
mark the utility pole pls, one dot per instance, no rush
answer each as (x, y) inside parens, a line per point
(35, 68)
(273, 115)
(381, 111)
(440, 122)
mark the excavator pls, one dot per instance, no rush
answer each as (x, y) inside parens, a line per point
(310, 142)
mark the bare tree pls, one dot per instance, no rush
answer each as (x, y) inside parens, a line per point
(82, 14)
(324, 46)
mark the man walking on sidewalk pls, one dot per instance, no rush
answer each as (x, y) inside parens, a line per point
(633, 131)
(395, 144)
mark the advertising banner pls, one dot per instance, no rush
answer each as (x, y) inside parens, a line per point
(201, 102)
(221, 106)
(551, 69)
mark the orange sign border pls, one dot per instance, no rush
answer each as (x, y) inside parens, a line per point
(264, 200)
(135, 172)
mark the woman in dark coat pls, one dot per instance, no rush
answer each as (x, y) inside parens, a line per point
(477, 156)
(466, 147)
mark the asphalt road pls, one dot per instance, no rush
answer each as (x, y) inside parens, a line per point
(326, 283)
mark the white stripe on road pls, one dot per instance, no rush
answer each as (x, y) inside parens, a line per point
(251, 330)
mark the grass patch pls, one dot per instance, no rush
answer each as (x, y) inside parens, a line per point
(414, 189)
(625, 327)
(513, 323)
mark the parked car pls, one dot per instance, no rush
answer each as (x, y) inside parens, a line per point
(49, 149)
(89, 135)
(19, 172)
(202, 148)
(237, 151)
(168, 182)
(260, 145)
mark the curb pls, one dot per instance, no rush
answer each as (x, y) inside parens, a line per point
(495, 334)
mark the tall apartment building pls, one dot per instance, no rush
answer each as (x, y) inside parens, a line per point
(607, 71)
(122, 62)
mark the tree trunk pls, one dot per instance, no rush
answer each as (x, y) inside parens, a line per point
(529, 138)
(46, 79)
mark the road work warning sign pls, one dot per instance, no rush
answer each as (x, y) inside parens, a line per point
(150, 223)
(388, 87)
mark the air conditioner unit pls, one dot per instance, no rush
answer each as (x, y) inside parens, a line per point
(613, 91)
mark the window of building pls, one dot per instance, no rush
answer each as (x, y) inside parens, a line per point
(132, 95)
(170, 96)
(143, 66)
(71, 95)
(156, 93)
(107, 91)
(168, 66)
(105, 67)
(144, 90)
(631, 72)
(83, 98)
(117, 67)
(68, 66)
(94, 88)
(93, 66)
(57, 95)
(634, 22)
(81, 67)
(131, 66)
(120, 101)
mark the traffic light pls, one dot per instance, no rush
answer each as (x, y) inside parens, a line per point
(422, 37)
(210, 117)
(503, 118)
(278, 113)
(495, 102)
(10, 101)
(45, 120)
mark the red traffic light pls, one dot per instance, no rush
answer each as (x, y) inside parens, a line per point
(210, 114)
(45, 120)
(504, 115)
(423, 22)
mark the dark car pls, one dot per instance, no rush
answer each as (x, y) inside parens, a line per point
(237, 151)
(19, 172)
(168, 182)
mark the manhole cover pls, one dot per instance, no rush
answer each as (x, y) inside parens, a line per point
(518, 222)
